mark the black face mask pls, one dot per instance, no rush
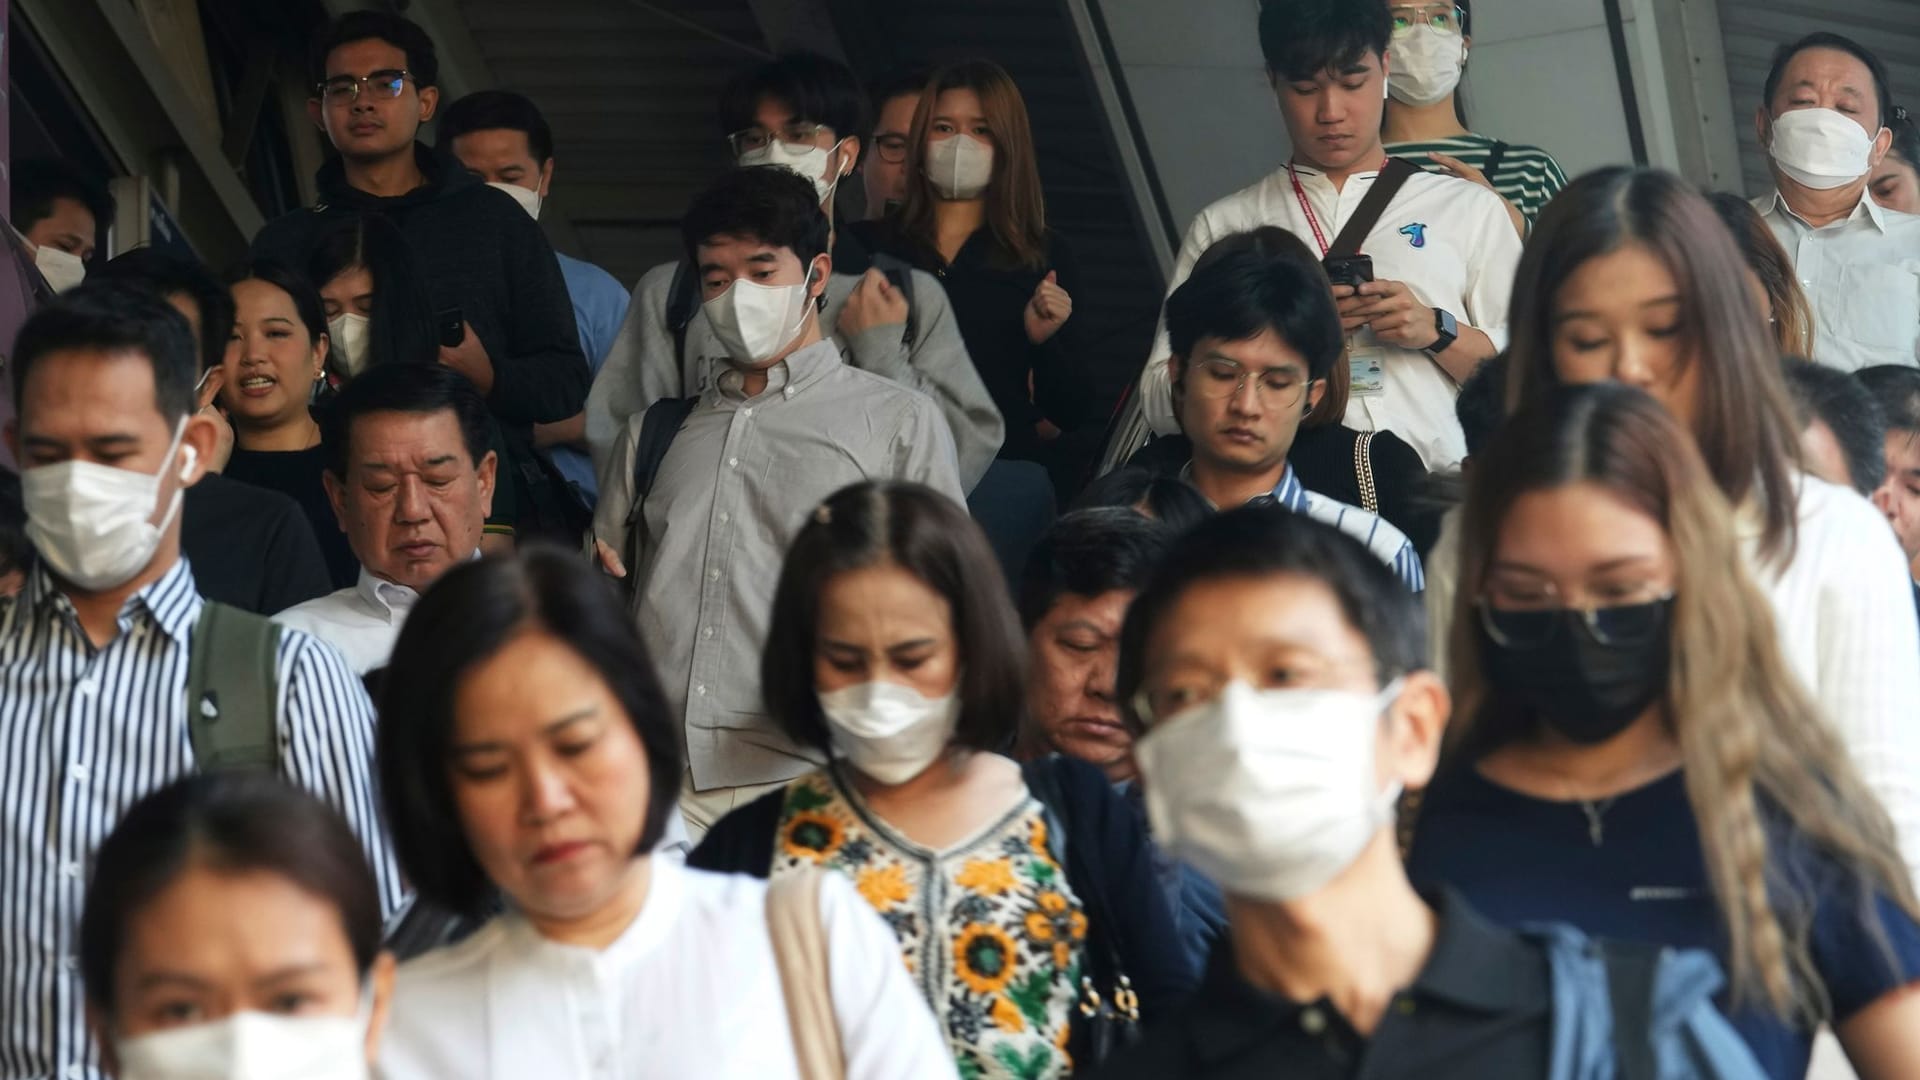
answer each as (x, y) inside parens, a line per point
(1588, 687)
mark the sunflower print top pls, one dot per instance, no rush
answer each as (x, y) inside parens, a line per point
(989, 927)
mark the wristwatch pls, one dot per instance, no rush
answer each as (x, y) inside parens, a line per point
(1449, 328)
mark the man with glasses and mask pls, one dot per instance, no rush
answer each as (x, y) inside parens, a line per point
(805, 113)
(1824, 125)
(506, 321)
(1254, 335)
(883, 172)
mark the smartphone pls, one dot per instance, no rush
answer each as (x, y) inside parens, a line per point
(1349, 269)
(452, 325)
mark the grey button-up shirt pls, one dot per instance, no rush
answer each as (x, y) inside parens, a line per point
(1862, 276)
(740, 479)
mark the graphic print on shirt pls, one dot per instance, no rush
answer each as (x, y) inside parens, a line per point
(989, 928)
(1416, 234)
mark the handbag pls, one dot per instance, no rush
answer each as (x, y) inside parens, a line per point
(800, 952)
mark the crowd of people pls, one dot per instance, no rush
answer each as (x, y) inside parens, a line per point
(423, 657)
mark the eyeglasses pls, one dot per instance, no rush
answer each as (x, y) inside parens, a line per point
(891, 148)
(1527, 616)
(345, 89)
(1218, 378)
(1445, 18)
(793, 137)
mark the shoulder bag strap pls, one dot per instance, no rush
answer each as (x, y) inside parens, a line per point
(800, 952)
(1631, 972)
(658, 426)
(900, 273)
(1363, 472)
(1494, 158)
(1393, 176)
(231, 690)
(683, 303)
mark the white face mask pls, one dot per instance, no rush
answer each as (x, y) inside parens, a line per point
(888, 731)
(1270, 793)
(528, 198)
(754, 321)
(1821, 148)
(812, 163)
(1426, 65)
(251, 1046)
(960, 166)
(89, 521)
(350, 341)
(63, 270)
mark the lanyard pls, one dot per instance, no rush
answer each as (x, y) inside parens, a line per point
(1313, 220)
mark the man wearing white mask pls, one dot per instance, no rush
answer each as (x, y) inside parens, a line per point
(59, 211)
(1823, 122)
(502, 136)
(1280, 673)
(95, 653)
(805, 113)
(782, 423)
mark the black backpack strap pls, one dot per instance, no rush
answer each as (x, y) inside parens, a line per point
(683, 303)
(1045, 785)
(1631, 971)
(232, 690)
(900, 273)
(1494, 157)
(658, 426)
(1392, 178)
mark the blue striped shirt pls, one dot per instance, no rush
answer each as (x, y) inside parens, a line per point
(85, 733)
(1387, 543)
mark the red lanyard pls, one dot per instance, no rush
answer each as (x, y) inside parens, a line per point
(1306, 208)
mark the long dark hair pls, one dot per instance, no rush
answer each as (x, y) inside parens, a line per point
(1744, 424)
(1016, 206)
(400, 329)
(306, 299)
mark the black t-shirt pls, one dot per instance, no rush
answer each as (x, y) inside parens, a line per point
(296, 474)
(249, 547)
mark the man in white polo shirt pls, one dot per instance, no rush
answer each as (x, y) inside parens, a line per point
(411, 481)
(1823, 123)
(1444, 251)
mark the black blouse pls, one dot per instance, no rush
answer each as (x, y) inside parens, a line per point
(296, 474)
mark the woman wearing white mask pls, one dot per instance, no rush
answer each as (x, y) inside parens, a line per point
(527, 754)
(1426, 118)
(1017, 896)
(232, 929)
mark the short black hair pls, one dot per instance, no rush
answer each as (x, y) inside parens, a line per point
(404, 388)
(1265, 279)
(496, 110)
(770, 203)
(166, 274)
(1167, 499)
(231, 821)
(1263, 541)
(116, 316)
(423, 63)
(306, 299)
(1091, 553)
(34, 183)
(400, 328)
(1844, 404)
(931, 537)
(459, 624)
(911, 78)
(1302, 38)
(819, 90)
(1822, 39)
(1481, 406)
(1896, 389)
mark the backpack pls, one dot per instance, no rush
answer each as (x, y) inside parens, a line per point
(683, 301)
(233, 690)
(658, 426)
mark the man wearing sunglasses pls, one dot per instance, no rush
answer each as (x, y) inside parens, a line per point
(497, 291)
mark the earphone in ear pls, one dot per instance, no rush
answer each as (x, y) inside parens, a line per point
(189, 457)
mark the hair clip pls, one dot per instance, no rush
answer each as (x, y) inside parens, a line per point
(823, 514)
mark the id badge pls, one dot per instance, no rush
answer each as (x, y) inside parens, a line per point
(1369, 374)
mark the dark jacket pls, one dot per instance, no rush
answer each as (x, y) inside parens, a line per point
(480, 253)
(250, 547)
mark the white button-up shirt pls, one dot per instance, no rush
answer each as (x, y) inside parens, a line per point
(362, 621)
(1451, 242)
(690, 988)
(1862, 276)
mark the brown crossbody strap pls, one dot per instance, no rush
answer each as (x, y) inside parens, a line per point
(1393, 176)
(800, 952)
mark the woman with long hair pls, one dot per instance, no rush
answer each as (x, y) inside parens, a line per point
(1774, 284)
(1631, 753)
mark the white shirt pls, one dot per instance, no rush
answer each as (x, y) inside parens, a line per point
(690, 989)
(1843, 610)
(1451, 242)
(361, 621)
(1862, 276)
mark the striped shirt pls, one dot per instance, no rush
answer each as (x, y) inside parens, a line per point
(1387, 543)
(85, 733)
(1528, 177)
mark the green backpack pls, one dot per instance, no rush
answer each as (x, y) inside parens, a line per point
(233, 690)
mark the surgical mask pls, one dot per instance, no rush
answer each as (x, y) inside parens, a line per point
(251, 1046)
(528, 198)
(89, 521)
(888, 731)
(960, 166)
(810, 163)
(1427, 65)
(754, 321)
(1271, 794)
(1586, 688)
(349, 333)
(1821, 148)
(63, 270)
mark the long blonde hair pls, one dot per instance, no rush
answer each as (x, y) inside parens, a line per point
(1752, 740)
